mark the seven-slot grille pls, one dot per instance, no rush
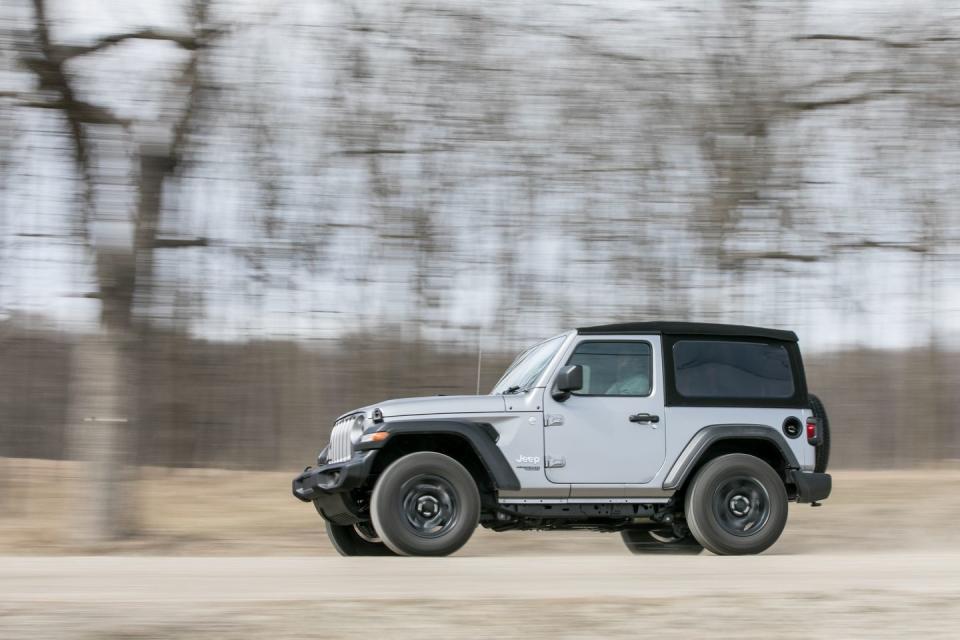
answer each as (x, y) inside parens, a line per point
(340, 446)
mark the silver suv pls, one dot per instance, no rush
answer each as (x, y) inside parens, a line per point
(679, 436)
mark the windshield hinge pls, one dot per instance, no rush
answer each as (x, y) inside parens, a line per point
(550, 462)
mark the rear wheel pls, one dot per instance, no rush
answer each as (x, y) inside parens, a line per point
(357, 540)
(425, 504)
(645, 542)
(736, 505)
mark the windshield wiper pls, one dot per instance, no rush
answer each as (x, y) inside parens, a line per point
(512, 389)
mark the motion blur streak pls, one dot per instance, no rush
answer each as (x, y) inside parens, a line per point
(224, 223)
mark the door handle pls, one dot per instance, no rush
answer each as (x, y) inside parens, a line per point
(644, 417)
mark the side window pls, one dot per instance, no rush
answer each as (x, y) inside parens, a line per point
(614, 368)
(728, 369)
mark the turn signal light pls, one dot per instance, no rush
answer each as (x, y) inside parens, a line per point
(376, 436)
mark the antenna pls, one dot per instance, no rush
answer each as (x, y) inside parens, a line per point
(479, 360)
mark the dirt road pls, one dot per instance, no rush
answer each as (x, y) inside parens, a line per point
(878, 560)
(823, 595)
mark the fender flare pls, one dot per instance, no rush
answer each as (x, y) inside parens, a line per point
(481, 436)
(707, 436)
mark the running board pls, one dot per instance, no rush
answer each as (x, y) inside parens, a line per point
(584, 500)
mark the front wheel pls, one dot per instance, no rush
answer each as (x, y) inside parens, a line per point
(425, 504)
(736, 505)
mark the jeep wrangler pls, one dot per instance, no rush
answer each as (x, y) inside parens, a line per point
(679, 436)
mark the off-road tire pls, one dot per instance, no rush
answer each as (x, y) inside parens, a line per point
(823, 424)
(735, 484)
(348, 542)
(642, 542)
(425, 504)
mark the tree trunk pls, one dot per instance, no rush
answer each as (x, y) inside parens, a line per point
(101, 439)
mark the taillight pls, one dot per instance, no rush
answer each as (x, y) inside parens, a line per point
(813, 434)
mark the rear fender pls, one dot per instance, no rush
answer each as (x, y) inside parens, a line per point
(702, 440)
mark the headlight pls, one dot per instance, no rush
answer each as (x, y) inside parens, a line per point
(356, 429)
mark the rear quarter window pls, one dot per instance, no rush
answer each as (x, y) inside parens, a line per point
(737, 370)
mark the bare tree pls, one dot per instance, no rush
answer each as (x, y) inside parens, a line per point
(105, 371)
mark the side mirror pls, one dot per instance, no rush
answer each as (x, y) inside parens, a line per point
(569, 379)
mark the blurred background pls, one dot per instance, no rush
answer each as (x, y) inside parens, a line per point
(222, 224)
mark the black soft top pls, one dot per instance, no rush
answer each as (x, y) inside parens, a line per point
(690, 328)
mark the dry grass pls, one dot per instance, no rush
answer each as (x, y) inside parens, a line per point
(222, 512)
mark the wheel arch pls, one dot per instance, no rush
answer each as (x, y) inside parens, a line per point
(472, 444)
(761, 441)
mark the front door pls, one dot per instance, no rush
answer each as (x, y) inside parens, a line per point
(612, 430)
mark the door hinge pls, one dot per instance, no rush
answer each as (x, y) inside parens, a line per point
(550, 462)
(553, 420)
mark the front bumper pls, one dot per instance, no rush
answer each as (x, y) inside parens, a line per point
(328, 487)
(811, 487)
(329, 479)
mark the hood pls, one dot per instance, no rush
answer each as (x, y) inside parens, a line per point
(437, 404)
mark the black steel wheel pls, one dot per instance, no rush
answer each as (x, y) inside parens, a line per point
(425, 504)
(741, 505)
(357, 540)
(645, 542)
(429, 505)
(736, 504)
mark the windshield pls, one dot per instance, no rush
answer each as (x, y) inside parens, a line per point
(528, 366)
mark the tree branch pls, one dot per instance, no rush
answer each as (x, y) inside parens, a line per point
(877, 244)
(66, 52)
(781, 256)
(84, 112)
(893, 44)
(833, 36)
(377, 151)
(847, 78)
(51, 76)
(585, 44)
(179, 243)
(812, 105)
